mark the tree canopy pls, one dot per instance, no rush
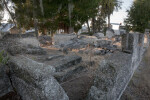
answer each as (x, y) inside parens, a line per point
(61, 14)
(139, 15)
(1, 11)
(108, 7)
(56, 13)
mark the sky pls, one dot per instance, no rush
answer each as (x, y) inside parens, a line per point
(120, 15)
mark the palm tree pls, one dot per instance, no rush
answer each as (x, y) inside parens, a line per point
(108, 6)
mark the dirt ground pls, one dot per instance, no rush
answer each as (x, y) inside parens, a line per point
(77, 86)
(139, 86)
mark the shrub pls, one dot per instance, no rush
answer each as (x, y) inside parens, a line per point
(3, 57)
(104, 31)
(87, 33)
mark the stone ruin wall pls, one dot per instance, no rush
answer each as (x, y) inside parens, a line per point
(114, 73)
(31, 80)
(111, 79)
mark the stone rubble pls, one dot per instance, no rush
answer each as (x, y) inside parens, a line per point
(99, 35)
(37, 79)
(45, 40)
(86, 42)
(22, 46)
(110, 33)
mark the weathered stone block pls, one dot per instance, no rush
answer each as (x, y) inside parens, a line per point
(111, 77)
(29, 41)
(45, 40)
(66, 62)
(115, 72)
(5, 85)
(64, 39)
(89, 39)
(131, 41)
(35, 81)
(2, 34)
(110, 33)
(25, 49)
(103, 43)
(35, 50)
(99, 35)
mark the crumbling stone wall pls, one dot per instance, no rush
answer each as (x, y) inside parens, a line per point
(18, 45)
(5, 85)
(34, 81)
(2, 34)
(114, 73)
(30, 79)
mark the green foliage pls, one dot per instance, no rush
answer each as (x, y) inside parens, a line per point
(3, 58)
(87, 33)
(105, 9)
(1, 6)
(104, 31)
(108, 7)
(139, 15)
(1, 11)
(56, 13)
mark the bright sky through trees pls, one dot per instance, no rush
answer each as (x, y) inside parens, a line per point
(119, 16)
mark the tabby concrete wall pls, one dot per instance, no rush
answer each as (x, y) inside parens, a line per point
(114, 73)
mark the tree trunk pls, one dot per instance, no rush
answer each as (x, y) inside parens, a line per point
(44, 31)
(93, 24)
(108, 21)
(99, 27)
(34, 17)
(41, 6)
(88, 26)
(65, 29)
(71, 29)
(9, 12)
(35, 27)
